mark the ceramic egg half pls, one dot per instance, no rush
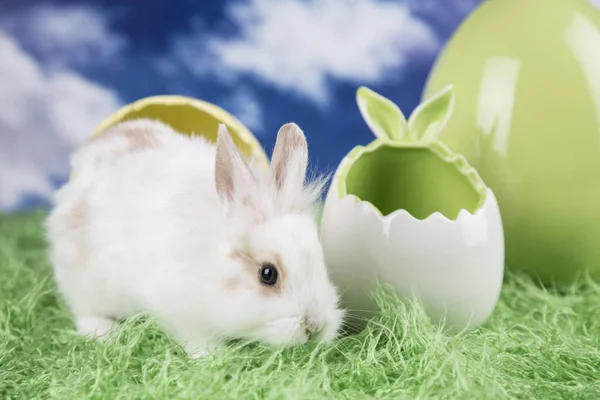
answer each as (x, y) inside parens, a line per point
(418, 218)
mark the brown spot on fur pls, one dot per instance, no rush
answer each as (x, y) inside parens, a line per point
(140, 139)
(138, 136)
(247, 201)
(252, 264)
(232, 282)
(279, 264)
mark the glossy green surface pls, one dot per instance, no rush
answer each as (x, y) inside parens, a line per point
(526, 74)
(419, 179)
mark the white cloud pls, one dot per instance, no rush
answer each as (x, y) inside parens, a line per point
(297, 45)
(65, 35)
(44, 115)
(46, 107)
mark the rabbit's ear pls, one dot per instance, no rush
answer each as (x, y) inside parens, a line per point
(290, 157)
(429, 119)
(231, 170)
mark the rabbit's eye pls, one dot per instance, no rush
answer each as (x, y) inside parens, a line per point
(268, 274)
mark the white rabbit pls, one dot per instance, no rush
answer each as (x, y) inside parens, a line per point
(157, 222)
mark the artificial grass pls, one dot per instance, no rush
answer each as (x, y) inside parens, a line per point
(538, 345)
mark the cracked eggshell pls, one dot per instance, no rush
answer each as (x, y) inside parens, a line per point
(453, 267)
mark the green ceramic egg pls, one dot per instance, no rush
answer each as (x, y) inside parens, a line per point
(526, 75)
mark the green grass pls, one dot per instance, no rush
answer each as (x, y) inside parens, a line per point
(538, 345)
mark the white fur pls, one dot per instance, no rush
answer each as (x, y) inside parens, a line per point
(157, 239)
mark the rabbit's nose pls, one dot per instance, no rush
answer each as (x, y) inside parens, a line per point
(311, 327)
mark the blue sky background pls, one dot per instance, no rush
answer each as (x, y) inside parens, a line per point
(67, 64)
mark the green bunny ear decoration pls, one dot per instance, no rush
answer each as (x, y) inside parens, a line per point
(386, 120)
(431, 116)
(383, 117)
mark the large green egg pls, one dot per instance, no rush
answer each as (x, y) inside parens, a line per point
(527, 116)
